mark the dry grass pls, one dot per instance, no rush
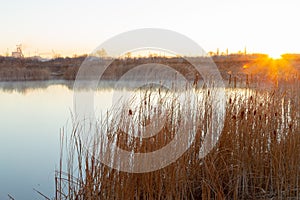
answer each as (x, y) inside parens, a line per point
(257, 155)
(23, 74)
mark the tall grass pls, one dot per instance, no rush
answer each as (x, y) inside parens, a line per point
(257, 155)
(23, 74)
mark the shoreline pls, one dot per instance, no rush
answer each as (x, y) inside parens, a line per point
(230, 67)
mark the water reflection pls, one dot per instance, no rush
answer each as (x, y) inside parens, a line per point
(26, 86)
(31, 116)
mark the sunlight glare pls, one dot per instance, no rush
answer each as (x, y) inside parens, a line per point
(275, 55)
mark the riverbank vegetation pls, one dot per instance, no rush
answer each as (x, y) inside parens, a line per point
(257, 155)
(239, 67)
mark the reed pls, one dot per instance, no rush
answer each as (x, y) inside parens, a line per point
(257, 155)
(23, 74)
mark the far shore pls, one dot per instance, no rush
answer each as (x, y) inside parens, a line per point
(231, 67)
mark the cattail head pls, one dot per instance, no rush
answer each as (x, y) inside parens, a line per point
(242, 114)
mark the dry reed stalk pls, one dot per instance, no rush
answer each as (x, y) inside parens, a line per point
(257, 155)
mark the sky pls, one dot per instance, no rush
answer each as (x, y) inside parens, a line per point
(69, 27)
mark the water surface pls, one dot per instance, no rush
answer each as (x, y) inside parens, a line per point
(31, 115)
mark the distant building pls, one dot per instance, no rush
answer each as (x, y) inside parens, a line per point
(18, 53)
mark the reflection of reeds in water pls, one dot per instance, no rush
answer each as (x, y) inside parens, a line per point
(257, 155)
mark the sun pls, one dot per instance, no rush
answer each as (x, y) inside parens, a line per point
(275, 55)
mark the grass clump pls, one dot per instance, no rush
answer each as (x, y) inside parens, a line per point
(256, 157)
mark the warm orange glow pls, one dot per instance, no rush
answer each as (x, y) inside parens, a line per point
(273, 69)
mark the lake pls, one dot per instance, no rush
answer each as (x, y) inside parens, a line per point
(32, 115)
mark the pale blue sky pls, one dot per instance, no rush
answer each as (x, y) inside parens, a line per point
(70, 27)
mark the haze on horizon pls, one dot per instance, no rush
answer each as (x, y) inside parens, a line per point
(77, 27)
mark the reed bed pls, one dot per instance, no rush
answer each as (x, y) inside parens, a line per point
(24, 74)
(257, 155)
